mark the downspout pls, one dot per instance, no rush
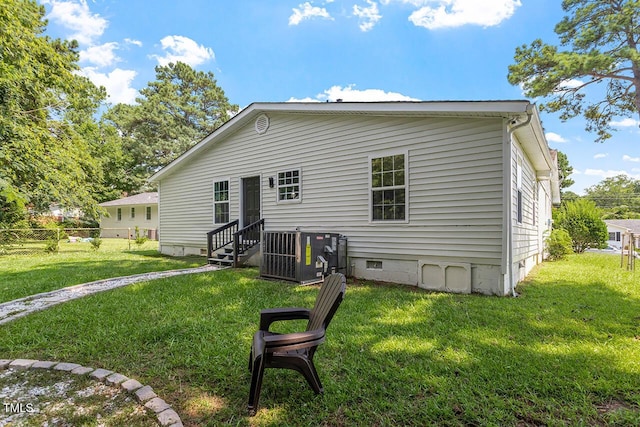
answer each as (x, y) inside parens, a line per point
(509, 255)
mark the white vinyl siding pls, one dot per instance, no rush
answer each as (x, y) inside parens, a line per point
(526, 242)
(454, 185)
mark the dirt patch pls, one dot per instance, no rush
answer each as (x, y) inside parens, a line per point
(39, 397)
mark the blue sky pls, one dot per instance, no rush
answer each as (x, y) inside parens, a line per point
(355, 50)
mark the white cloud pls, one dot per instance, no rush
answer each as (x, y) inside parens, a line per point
(133, 42)
(435, 14)
(368, 16)
(183, 49)
(117, 83)
(306, 11)
(628, 122)
(627, 158)
(570, 84)
(350, 94)
(76, 16)
(554, 137)
(609, 173)
(601, 155)
(102, 55)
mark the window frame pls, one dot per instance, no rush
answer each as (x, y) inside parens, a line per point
(221, 202)
(148, 213)
(118, 214)
(279, 186)
(405, 186)
(132, 212)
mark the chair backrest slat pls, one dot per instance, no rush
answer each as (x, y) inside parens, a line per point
(327, 302)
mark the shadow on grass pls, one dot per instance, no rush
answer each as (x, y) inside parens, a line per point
(394, 356)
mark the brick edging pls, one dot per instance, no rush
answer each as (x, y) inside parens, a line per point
(144, 394)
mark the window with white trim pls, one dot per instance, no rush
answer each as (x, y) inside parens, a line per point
(133, 213)
(221, 202)
(289, 186)
(388, 188)
(148, 213)
(119, 214)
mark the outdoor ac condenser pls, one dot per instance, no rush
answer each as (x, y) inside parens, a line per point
(303, 257)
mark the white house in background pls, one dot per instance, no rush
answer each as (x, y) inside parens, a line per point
(451, 196)
(617, 228)
(123, 215)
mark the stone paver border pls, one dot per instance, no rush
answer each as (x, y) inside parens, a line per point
(144, 394)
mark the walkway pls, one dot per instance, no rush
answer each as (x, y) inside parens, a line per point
(21, 307)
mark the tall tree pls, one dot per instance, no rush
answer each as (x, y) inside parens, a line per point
(173, 113)
(619, 197)
(598, 44)
(46, 110)
(564, 170)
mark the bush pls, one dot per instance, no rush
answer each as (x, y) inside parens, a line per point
(52, 246)
(559, 244)
(140, 239)
(581, 218)
(95, 243)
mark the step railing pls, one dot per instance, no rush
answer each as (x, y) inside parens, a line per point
(247, 238)
(221, 237)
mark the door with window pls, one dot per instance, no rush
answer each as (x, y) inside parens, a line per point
(250, 200)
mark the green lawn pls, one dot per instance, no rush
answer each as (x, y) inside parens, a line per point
(566, 352)
(24, 275)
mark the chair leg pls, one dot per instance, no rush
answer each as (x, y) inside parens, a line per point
(308, 369)
(257, 372)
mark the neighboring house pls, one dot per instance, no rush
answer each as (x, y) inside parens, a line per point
(452, 196)
(617, 229)
(124, 215)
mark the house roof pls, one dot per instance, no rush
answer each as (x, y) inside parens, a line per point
(630, 224)
(523, 118)
(138, 199)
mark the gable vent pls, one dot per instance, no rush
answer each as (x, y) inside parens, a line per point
(262, 124)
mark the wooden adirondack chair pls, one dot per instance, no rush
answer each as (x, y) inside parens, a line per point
(295, 350)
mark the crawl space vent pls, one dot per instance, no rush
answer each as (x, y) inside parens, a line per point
(262, 124)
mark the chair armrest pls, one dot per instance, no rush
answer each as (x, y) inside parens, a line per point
(293, 341)
(270, 315)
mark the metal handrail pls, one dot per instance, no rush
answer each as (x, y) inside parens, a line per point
(222, 236)
(248, 237)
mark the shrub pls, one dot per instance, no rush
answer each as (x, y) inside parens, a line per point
(581, 218)
(52, 246)
(559, 244)
(95, 243)
(140, 239)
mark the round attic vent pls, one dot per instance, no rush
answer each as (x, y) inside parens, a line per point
(262, 124)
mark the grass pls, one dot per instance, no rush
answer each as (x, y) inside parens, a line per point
(76, 263)
(566, 352)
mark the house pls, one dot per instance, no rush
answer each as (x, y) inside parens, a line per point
(124, 215)
(618, 228)
(451, 196)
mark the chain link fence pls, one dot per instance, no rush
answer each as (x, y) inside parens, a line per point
(29, 241)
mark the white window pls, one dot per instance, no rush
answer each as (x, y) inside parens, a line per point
(133, 213)
(388, 176)
(119, 214)
(289, 185)
(221, 202)
(148, 213)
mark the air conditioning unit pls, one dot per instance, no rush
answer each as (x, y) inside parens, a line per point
(303, 257)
